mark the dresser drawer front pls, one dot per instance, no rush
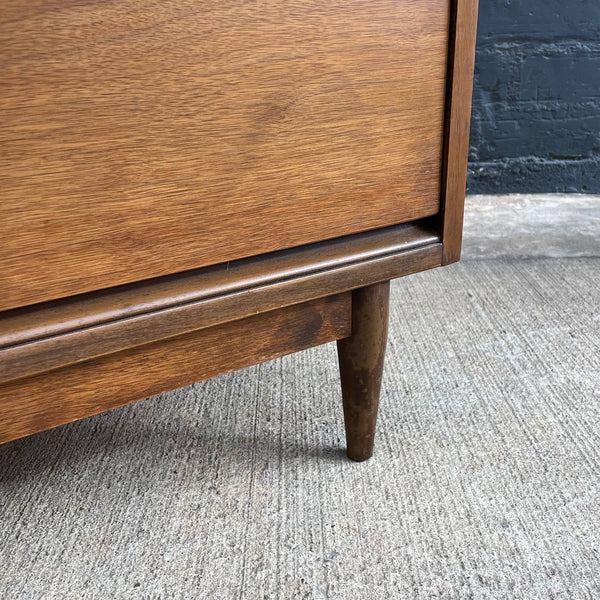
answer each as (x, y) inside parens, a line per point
(142, 138)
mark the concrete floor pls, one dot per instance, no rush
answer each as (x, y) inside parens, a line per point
(525, 226)
(485, 482)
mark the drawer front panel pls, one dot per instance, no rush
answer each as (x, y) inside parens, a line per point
(143, 137)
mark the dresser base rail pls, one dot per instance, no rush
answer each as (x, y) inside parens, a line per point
(69, 359)
(45, 400)
(47, 336)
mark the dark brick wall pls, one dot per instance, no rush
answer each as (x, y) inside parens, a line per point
(536, 99)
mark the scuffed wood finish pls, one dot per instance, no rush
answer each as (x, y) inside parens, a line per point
(461, 61)
(33, 404)
(144, 138)
(361, 358)
(52, 335)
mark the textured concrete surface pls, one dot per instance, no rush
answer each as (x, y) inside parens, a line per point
(527, 226)
(536, 101)
(485, 482)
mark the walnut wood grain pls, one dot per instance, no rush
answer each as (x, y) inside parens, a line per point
(361, 357)
(143, 138)
(461, 61)
(43, 401)
(48, 336)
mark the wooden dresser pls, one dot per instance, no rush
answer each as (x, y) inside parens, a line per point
(194, 186)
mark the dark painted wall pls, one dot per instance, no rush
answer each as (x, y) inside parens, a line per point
(536, 99)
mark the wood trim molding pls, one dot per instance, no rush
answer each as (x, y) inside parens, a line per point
(87, 388)
(461, 62)
(51, 335)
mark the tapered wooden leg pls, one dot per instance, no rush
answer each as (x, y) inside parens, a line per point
(361, 359)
